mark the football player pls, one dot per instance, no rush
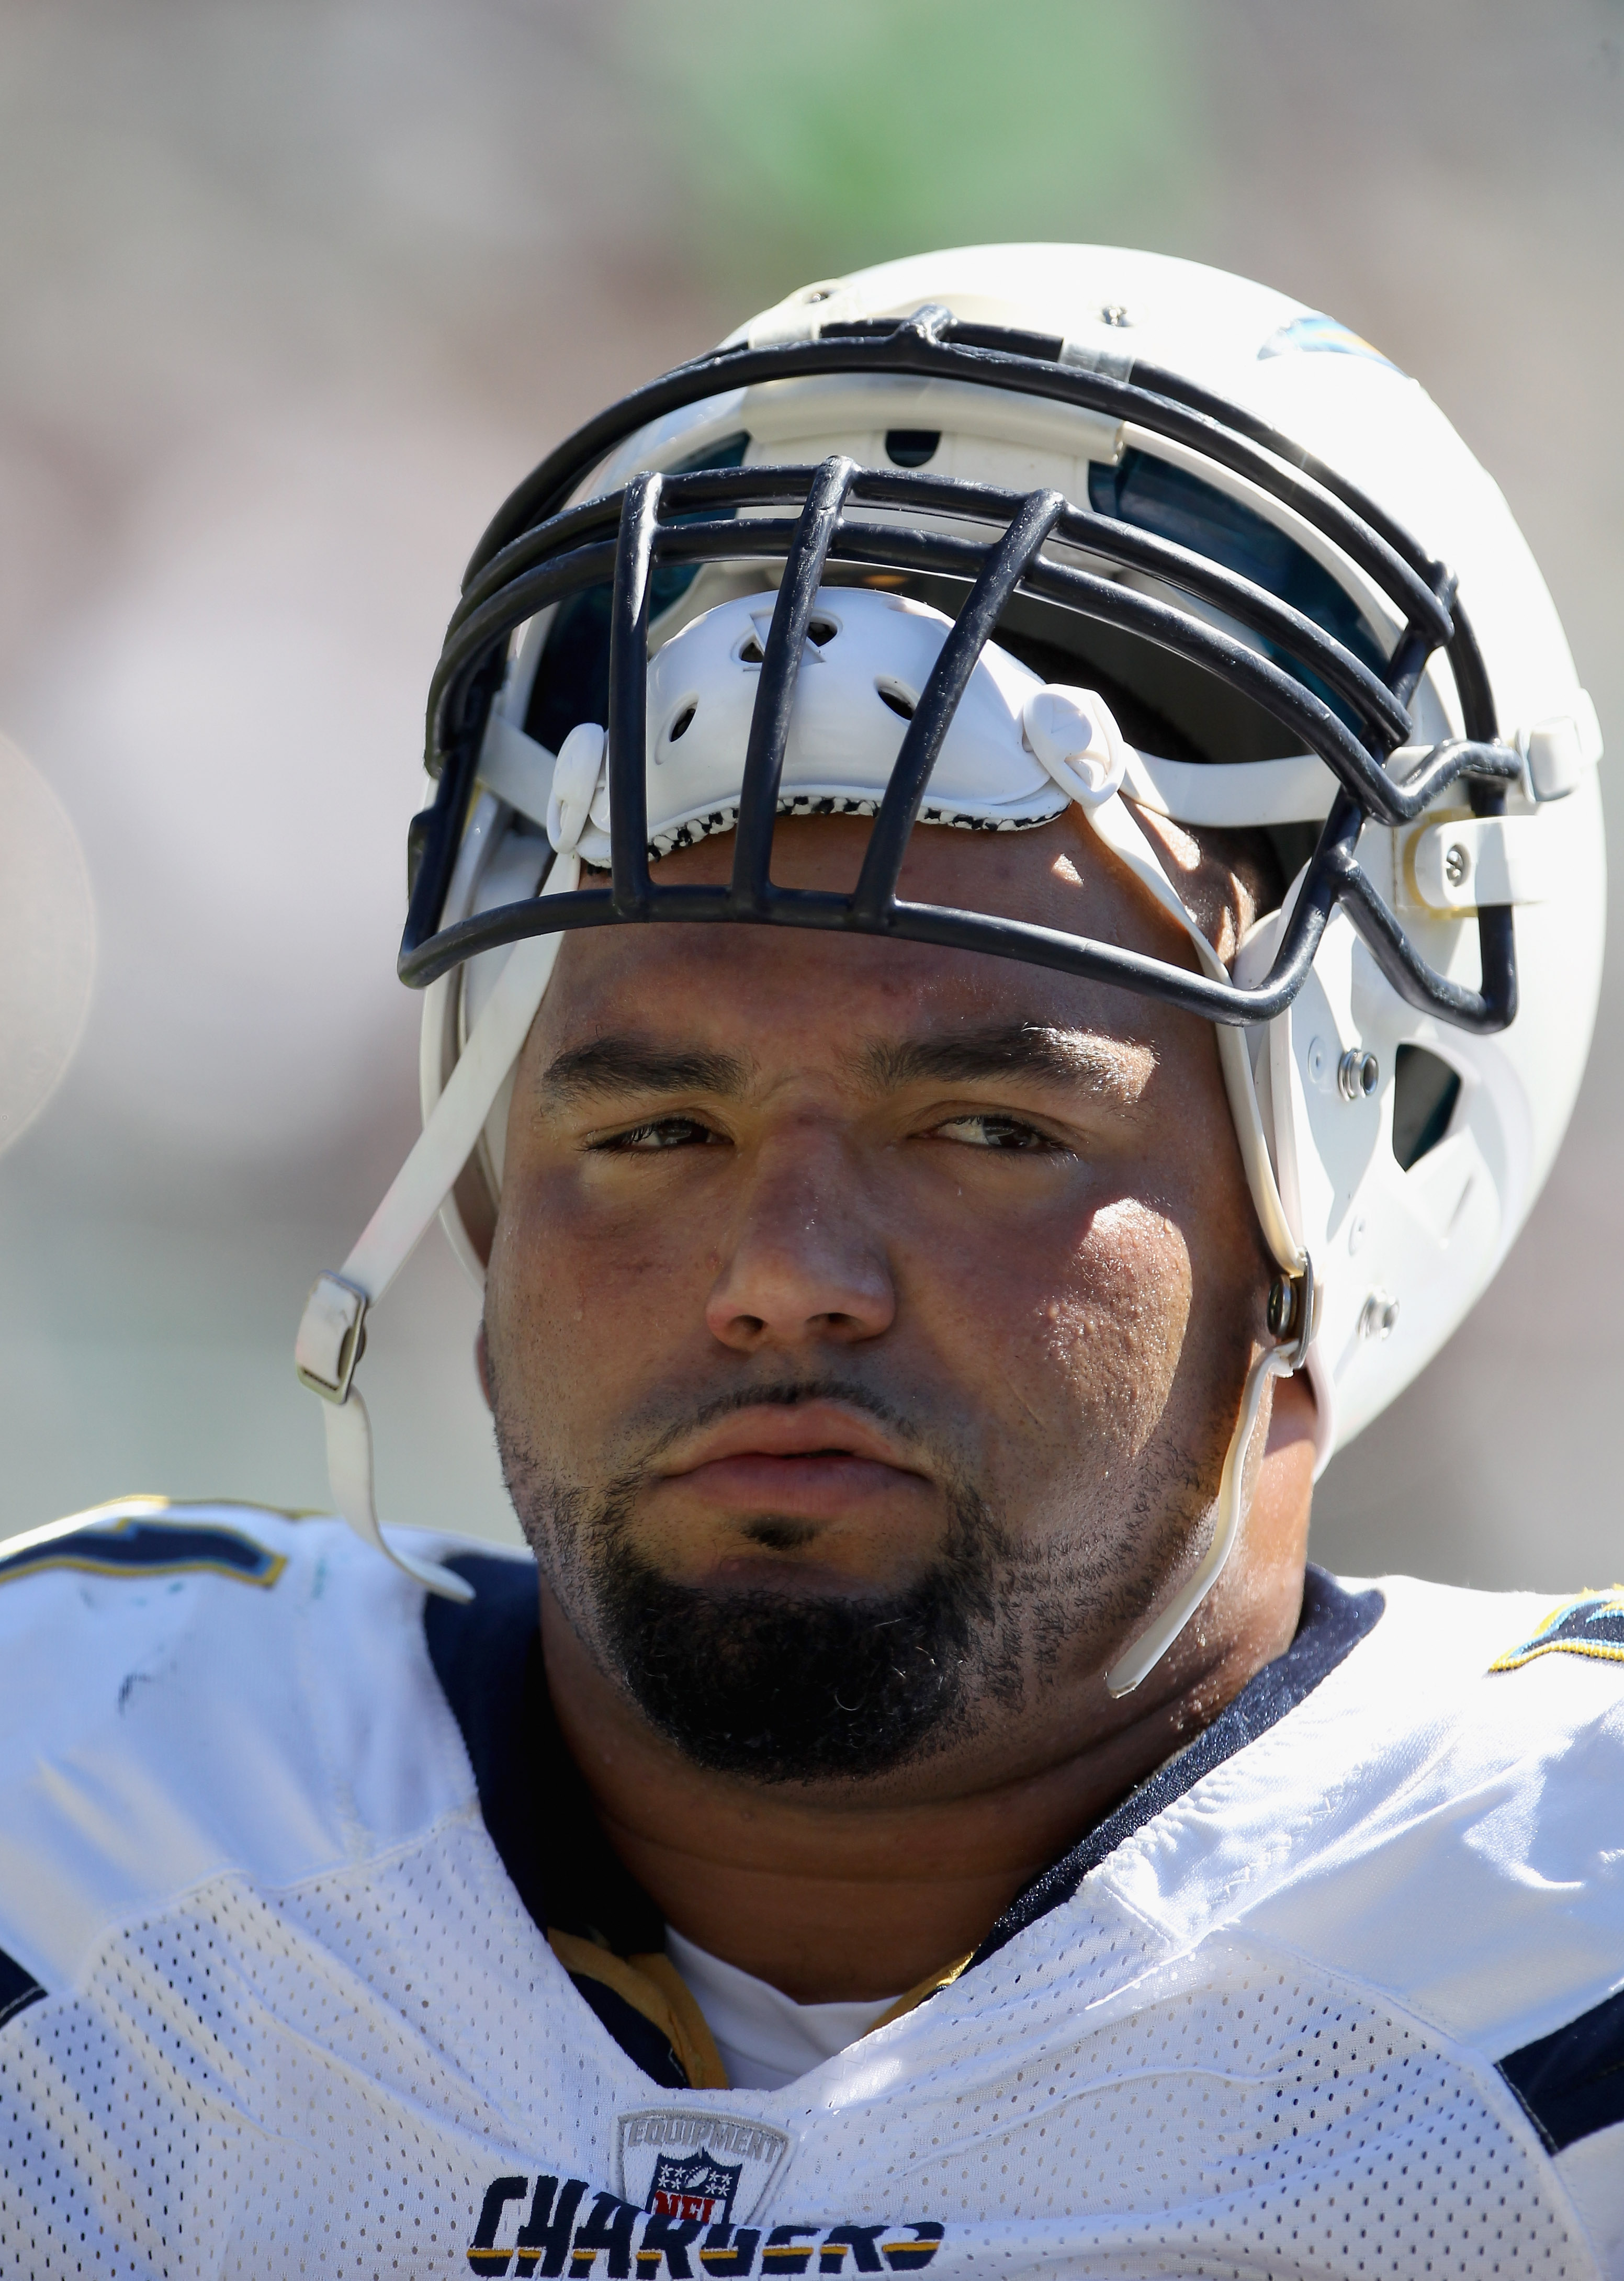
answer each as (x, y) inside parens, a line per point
(1009, 925)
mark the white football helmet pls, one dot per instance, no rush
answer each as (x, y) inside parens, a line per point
(962, 540)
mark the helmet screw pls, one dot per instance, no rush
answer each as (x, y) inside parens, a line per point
(1282, 1305)
(1356, 1074)
(1115, 313)
(1456, 864)
(1379, 1315)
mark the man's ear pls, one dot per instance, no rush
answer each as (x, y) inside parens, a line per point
(482, 1364)
(1228, 877)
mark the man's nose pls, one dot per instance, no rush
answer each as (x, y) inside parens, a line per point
(801, 1263)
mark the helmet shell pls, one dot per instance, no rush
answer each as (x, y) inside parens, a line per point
(1408, 1152)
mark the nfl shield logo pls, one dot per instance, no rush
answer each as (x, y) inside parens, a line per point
(698, 2187)
(691, 2162)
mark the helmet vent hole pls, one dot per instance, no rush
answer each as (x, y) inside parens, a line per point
(911, 447)
(900, 700)
(1425, 1091)
(750, 651)
(822, 631)
(682, 722)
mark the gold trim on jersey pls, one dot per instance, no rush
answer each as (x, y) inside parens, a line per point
(652, 1985)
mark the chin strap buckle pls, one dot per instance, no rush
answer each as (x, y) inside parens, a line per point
(332, 1337)
(1294, 1314)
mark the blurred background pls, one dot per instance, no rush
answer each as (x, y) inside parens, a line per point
(295, 289)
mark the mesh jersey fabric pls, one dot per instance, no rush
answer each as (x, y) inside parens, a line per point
(1338, 1994)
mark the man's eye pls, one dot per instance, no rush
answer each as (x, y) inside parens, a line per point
(660, 1132)
(991, 1130)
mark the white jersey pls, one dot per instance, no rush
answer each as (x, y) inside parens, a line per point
(314, 1963)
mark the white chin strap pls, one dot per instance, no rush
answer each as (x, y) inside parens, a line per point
(1057, 726)
(332, 1333)
(1136, 1662)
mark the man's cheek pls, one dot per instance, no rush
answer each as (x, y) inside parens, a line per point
(580, 1296)
(538, 1291)
(548, 1253)
(1113, 1333)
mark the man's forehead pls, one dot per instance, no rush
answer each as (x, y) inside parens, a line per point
(729, 1007)
(768, 980)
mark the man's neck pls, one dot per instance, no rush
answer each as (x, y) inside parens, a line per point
(859, 1891)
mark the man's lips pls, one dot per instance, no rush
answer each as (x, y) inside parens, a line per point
(811, 1459)
(788, 1430)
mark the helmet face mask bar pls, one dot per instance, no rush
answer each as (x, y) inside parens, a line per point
(1250, 605)
(521, 567)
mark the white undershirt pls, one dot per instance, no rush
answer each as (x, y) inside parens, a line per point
(765, 2038)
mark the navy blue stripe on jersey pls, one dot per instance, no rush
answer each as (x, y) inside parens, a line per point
(639, 2039)
(1572, 2083)
(164, 1547)
(486, 1654)
(1332, 1624)
(481, 1653)
(17, 1989)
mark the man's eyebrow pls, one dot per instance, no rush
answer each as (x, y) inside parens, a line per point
(619, 1066)
(1074, 1057)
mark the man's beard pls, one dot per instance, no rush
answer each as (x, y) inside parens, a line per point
(801, 1689)
(779, 1686)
